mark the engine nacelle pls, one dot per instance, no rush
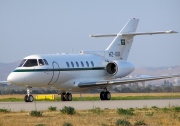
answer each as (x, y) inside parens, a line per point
(119, 68)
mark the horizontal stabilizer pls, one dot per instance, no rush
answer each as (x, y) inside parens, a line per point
(103, 35)
(134, 33)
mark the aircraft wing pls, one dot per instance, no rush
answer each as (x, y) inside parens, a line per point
(105, 83)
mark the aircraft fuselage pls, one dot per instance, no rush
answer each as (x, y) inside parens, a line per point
(62, 71)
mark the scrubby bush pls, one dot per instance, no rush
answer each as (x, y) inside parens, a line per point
(40, 125)
(36, 113)
(154, 107)
(132, 109)
(67, 124)
(104, 124)
(176, 109)
(149, 113)
(51, 108)
(123, 122)
(121, 111)
(165, 110)
(68, 110)
(140, 123)
(96, 110)
(4, 110)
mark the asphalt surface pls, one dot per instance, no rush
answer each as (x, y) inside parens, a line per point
(84, 105)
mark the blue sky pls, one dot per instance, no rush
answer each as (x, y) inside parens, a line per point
(46, 27)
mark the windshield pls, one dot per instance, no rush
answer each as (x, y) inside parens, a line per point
(45, 61)
(31, 62)
(41, 63)
(22, 62)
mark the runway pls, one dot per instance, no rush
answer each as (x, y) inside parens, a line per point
(85, 105)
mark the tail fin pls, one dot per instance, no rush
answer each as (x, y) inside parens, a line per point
(120, 46)
(130, 26)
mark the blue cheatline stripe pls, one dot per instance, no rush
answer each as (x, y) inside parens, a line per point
(61, 69)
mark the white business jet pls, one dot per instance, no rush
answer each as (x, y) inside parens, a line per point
(84, 71)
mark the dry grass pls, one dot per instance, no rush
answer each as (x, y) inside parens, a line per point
(88, 118)
(97, 95)
(152, 117)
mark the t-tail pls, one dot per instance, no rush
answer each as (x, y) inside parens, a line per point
(120, 47)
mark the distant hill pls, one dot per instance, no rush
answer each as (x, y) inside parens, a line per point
(155, 71)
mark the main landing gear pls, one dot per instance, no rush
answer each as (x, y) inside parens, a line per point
(105, 95)
(29, 97)
(66, 96)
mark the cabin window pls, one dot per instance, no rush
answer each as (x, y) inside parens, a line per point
(77, 64)
(67, 64)
(72, 64)
(87, 63)
(22, 62)
(45, 61)
(41, 63)
(31, 63)
(82, 64)
(92, 63)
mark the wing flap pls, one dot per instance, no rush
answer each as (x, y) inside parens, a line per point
(124, 81)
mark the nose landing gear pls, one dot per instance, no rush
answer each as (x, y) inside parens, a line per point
(29, 97)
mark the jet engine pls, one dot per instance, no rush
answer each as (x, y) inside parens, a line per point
(119, 69)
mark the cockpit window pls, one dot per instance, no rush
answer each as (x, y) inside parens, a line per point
(45, 61)
(22, 62)
(41, 63)
(31, 62)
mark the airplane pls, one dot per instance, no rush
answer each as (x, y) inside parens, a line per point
(86, 70)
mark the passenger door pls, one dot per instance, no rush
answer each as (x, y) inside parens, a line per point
(55, 73)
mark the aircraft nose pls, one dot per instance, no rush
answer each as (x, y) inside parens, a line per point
(11, 78)
(15, 79)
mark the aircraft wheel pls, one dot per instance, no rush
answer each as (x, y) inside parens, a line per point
(102, 95)
(26, 98)
(30, 98)
(69, 97)
(107, 95)
(63, 97)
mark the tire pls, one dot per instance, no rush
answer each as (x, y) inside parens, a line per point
(102, 94)
(107, 95)
(30, 98)
(68, 97)
(63, 97)
(26, 98)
